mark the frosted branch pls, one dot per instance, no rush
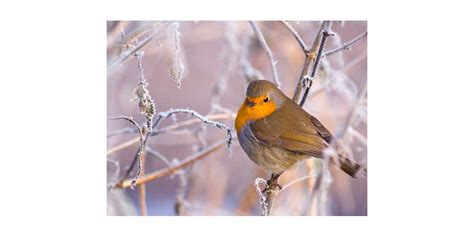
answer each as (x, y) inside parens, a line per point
(141, 149)
(269, 53)
(296, 35)
(346, 46)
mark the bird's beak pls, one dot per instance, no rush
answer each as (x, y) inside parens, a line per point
(250, 103)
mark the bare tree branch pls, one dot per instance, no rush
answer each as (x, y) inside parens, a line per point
(296, 35)
(203, 119)
(308, 83)
(170, 170)
(166, 129)
(141, 149)
(142, 194)
(305, 79)
(158, 155)
(180, 202)
(264, 44)
(145, 102)
(300, 179)
(133, 43)
(346, 46)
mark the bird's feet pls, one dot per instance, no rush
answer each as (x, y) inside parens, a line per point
(272, 184)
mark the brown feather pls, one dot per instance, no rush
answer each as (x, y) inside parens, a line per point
(293, 129)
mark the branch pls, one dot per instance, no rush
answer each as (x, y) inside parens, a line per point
(145, 102)
(167, 114)
(307, 85)
(164, 130)
(120, 131)
(158, 155)
(305, 80)
(296, 35)
(345, 46)
(306, 177)
(267, 196)
(142, 194)
(180, 203)
(172, 169)
(269, 53)
(115, 175)
(132, 43)
(141, 149)
(203, 119)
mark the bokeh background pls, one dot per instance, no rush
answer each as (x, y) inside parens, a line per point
(218, 59)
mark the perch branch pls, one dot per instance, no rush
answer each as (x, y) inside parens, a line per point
(267, 196)
(269, 53)
(313, 58)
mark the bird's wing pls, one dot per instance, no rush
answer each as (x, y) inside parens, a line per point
(322, 131)
(293, 129)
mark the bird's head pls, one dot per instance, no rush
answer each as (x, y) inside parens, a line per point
(262, 99)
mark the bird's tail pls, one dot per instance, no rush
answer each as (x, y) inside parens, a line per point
(351, 168)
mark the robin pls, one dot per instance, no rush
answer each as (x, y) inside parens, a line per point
(275, 132)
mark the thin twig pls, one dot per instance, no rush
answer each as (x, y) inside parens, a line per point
(145, 102)
(123, 145)
(115, 175)
(142, 194)
(120, 131)
(346, 68)
(315, 189)
(158, 155)
(132, 44)
(296, 35)
(306, 177)
(202, 118)
(170, 170)
(345, 46)
(141, 149)
(261, 195)
(166, 129)
(199, 118)
(269, 53)
(180, 203)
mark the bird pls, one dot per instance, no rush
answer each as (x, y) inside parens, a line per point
(275, 132)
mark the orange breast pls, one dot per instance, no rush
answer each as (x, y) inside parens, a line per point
(259, 111)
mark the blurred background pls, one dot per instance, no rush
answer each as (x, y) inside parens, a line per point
(206, 66)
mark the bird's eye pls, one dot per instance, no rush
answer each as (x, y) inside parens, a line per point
(266, 99)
